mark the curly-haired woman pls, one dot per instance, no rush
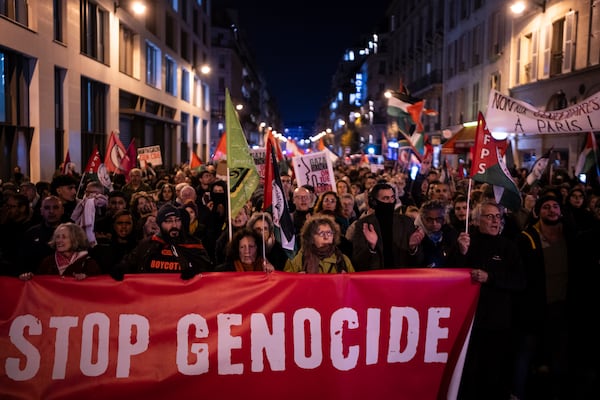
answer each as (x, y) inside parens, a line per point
(319, 252)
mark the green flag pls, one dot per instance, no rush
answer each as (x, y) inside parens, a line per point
(243, 176)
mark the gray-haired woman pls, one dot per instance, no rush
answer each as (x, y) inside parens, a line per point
(70, 257)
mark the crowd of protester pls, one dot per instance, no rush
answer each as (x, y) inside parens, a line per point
(538, 266)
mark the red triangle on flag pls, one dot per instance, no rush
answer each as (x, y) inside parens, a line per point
(196, 162)
(221, 149)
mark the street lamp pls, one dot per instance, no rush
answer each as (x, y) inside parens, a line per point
(518, 7)
(138, 7)
(205, 69)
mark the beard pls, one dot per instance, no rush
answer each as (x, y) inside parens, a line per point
(551, 222)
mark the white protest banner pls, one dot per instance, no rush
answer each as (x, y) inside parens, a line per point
(315, 169)
(505, 114)
(150, 154)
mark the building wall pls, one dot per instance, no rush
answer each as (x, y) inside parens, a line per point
(36, 41)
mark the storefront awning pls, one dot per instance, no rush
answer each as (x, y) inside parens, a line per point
(461, 142)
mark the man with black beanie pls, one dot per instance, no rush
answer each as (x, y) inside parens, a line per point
(384, 238)
(170, 250)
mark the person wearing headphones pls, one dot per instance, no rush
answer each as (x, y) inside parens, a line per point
(385, 238)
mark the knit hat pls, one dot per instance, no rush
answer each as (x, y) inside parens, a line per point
(544, 199)
(166, 211)
(62, 180)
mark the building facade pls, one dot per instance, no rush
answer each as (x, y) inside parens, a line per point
(76, 70)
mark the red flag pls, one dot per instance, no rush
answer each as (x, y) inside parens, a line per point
(94, 162)
(221, 149)
(489, 167)
(321, 145)
(65, 168)
(196, 162)
(275, 200)
(129, 161)
(115, 151)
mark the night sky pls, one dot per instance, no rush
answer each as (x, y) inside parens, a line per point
(298, 45)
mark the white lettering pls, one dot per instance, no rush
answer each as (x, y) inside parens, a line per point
(32, 355)
(336, 330)
(303, 318)
(86, 363)
(61, 343)
(435, 333)
(373, 333)
(130, 345)
(398, 315)
(273, 344)
(200, 350)
(228, 342)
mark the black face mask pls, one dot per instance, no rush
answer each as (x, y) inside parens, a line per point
(384, 209)
(219, 198)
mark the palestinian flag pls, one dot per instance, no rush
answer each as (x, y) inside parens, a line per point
(489, 167)
(587, 157)
(408, 110)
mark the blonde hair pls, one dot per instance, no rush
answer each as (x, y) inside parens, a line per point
(76, 233)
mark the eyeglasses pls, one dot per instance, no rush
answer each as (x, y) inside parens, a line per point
(325, 234)
(302, 197)
(492, 217)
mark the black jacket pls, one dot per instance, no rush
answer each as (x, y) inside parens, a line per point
(155, 255)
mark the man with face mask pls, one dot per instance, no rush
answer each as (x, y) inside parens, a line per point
(170, 250)
(383, 238)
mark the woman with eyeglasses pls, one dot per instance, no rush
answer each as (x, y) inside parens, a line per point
(319, 252)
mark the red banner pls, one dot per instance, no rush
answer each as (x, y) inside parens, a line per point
(380, 335)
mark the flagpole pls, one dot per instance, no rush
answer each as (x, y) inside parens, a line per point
(81, 183)
(229, 206)
(468, 205)
(264, 251)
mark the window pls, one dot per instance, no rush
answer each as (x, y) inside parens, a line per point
(197, 92)
(126, 50)
(185, 45)
(185, 85)
(93, 115)
(496, 35)
(17, 10)
(183, 149)
(477, 43)
(59, 123)
(170, 76)
(57, 16)
(495, 81)
(93, 30)
(170, 32)
(556, 47)
(206, 92)
(153, 65)
(475, 102)
(569, 42)
(14, 89)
